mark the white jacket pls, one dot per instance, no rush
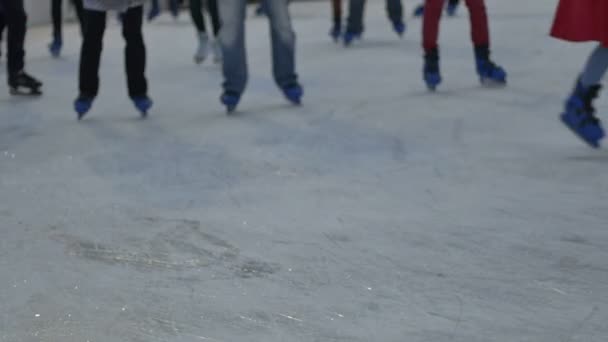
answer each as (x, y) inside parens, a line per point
(115, 5)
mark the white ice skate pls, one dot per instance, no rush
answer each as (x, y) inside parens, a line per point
(203, 48)
(217, 52)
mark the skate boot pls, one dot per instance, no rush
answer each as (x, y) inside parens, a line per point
(349, 37)
(336, 31)
(579, 115)
(294, 93)
(55, 47)
(230, 99)
(419, 11)
(17, 82)
(153, 13)
(82, 105)
(450, 9)
(431, 73)
(203, 48)
(174, 8)
(489, 73)
(399, 28)
(218, 55)
(143, 104)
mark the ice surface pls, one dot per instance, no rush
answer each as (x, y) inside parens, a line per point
(375, 212)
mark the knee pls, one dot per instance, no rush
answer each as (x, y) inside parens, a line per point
(230, 32)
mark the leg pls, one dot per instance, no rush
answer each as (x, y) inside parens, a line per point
(90, 53)
(196, 12)
(430, 24)
(2, 25)
(355, 16)
(337, 11)
(57, 17)
(135, 52)
(394, 9)
(596, 67)
(283, 44)
(79, 9)
(215, 16)
(480, 33)
(232, 37)
(16, 19)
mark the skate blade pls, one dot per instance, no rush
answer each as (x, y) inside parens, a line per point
(490, 83)
(29, 92)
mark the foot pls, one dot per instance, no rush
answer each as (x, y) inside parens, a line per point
(349, 37)
(451, 9)
(153, 13)
(203, 48)
(143, 105)
(21, 83)
(399, 28)
(55, 47)
(336, 32)
(231, 100)
(431, 72)
(174, 8)
(82, 105)
(579, 115)
(294, 93)
(491, 74)
(419, 11)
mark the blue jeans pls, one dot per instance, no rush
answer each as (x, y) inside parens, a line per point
(232, 37)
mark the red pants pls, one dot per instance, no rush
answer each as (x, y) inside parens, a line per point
(432, 14)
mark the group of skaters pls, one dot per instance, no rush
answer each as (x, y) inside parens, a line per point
(576, 20)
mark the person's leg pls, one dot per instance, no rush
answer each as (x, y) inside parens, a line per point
(232, 37)
(337, 11)
(135, 52)
(79, 9)
(215, 16)
(430, 25)
(2, 26)
(90, 52)
(283, 44)
(355, 16)
(57, 18)
(394, 9)
(596, 67)
(16, 21)
(154, 10)
(196, 12)
(480, 33)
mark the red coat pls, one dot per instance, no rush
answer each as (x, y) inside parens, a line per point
(582, 21)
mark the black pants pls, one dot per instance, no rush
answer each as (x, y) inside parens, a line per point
(196, 11)
(135, 52)
(57, 16)
(16, 20)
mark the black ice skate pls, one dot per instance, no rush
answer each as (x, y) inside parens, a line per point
(24, 84)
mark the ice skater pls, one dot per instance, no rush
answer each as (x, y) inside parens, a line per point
(196, 11)
(20, 83)
(489, 73)
(57, 17)
(135, 53)
(582, 21)
(354, 27)
(232, 37)
(450, 9)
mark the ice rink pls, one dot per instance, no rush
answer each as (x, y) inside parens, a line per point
(376, 212)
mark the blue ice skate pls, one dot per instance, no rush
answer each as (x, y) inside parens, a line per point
(154, 12)
(294, 93)
(143, 105)
(419, 11)
(349, 37)
(490, 74)
(431, 72)
(579, 115)
(336, 32)
(55, 47)
(82, 105)
(231, 100)
(399, 27)
(451, 9)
